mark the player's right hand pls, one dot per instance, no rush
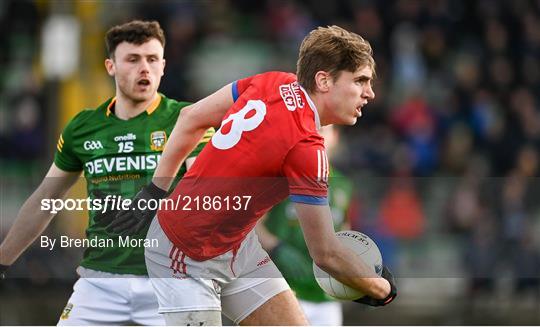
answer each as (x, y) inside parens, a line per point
(386, 274)
(138, 216)
(3, 270)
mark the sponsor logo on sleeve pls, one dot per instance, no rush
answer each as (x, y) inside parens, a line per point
(291, 95)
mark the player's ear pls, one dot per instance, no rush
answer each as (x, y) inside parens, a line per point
(322, 81)
(163, 68)
(109, 65)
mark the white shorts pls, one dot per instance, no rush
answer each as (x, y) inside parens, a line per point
(101, 298)
(236, 283)
(324, 313)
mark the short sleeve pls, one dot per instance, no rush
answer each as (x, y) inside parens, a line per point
(306, 168)
(239, 86)
(206, 138)
(65, 157)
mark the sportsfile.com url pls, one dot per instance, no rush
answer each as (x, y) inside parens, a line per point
(185, 203)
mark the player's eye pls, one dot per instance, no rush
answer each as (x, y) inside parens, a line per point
(364, 82)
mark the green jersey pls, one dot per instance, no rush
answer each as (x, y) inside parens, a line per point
(118, 157)
(283, 223)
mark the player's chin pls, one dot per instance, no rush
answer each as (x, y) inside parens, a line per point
(139, 98)
(144, 96)
(350, 121)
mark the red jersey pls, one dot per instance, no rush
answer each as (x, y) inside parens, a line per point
(267, 148)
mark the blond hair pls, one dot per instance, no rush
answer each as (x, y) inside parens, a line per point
(331, 49)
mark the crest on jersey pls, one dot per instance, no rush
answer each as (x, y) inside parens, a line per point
(66, 312)
(158, 140)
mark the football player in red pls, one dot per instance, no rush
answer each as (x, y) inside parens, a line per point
(267, 148)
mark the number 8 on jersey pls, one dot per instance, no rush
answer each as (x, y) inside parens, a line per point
(239, 124)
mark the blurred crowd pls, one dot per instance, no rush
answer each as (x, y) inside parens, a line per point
(450, 146)
(22, 112)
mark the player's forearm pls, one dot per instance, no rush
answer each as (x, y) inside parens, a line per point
(332, 256)
(29, 224)
(192, 124)
(31, 220)
(344, 265)
(184, 138)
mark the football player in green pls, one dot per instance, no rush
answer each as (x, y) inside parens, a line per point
(117, 147)
(281, 235)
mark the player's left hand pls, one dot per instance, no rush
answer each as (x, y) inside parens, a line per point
(138, 216)
(386, 274)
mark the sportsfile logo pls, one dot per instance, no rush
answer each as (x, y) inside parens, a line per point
(180, 203)
(92, 145)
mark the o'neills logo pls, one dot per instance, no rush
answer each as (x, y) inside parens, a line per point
(158, 140)
(264, 261)
(291, 95)
(127, 137)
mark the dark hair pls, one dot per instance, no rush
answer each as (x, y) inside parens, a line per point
(136, 32)
(331, 49)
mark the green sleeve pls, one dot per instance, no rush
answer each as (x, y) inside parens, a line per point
(64, 157)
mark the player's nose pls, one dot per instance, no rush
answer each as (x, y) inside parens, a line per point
(368, 92)
(145, 66)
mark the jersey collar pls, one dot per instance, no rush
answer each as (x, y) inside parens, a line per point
(313, 108)
(151, 108)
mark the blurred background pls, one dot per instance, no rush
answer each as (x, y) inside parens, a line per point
(445, 160)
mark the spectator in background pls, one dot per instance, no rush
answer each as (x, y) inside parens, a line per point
(401, 212)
